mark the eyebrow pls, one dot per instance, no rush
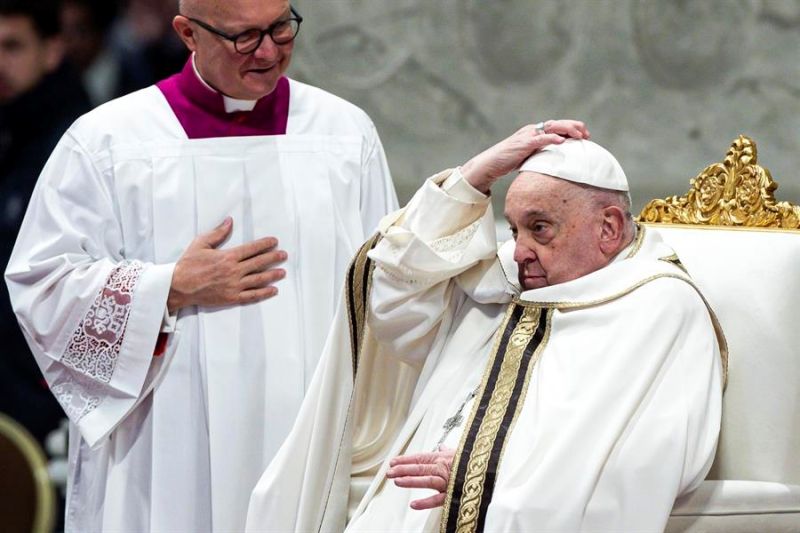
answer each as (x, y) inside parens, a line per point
(286, 15)
(528, 214)
(535, 213)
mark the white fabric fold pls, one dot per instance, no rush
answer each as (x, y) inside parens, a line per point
(621, 413)
(176, 442)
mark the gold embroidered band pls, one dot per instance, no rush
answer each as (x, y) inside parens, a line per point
(359, 279)
(518, 344)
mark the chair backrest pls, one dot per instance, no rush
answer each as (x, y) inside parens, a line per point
(743, 250)
(27, 499)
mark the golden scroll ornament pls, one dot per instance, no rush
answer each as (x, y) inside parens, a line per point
(735, 192)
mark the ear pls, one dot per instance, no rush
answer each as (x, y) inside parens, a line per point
(183, 27)
(612, 230)
(53, 53)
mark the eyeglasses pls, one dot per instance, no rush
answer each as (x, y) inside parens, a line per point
(281, 32)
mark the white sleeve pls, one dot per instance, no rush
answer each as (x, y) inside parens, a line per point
(438, 236)
(90, 315)
(377, 189)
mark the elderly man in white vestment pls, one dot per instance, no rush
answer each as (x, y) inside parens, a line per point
(146, 273)
(569, 380)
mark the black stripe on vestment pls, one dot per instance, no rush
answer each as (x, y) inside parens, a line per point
(472, 433)
(351, 313)
(511, 411)
(357, 287)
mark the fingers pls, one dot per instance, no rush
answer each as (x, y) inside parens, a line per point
(431, 502)
(529, 139)
(417, 470)
(262, 279)
(423, 471)
(217, 236)
(263, 261)
(570, 128)
(257, 295)
(415, 458)
(254, 248)
(545, 139)
(421, 476)
(422, 482)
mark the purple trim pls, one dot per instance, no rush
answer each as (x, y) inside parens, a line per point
(201, 111)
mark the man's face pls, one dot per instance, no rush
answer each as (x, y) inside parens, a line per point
(243, 76)
(557, 234)
(25, 57)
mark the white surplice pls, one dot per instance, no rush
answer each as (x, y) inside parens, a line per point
(621, 414)
(177, 442)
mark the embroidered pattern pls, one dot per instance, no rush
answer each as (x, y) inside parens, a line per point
(520, 342)
(403, 274)
(77, 395)
(95, 345)
(452, 246)
(358, 284)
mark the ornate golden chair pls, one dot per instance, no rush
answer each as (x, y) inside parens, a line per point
(27, 499)
(742, 248)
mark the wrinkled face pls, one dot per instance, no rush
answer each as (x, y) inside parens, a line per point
(25, 57)
(556, 231)
(243, 76)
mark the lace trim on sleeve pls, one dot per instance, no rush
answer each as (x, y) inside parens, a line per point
(77, 395)
(95, 345)
(451, 247)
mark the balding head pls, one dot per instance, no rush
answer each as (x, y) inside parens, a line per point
(196, 8)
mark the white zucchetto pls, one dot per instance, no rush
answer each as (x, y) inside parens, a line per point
(579, 161)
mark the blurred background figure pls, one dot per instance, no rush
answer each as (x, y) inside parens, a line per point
(40, 96)
(120, 47)
(144, 32)
(87, 28)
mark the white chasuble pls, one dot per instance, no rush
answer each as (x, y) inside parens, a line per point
(176, 442)
(598, 400)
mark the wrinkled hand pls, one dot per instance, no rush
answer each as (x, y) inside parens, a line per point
(508, 155)
(241, 275)
(423, 471)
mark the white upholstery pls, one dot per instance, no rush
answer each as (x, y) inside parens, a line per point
(738, 507)
(751, 278)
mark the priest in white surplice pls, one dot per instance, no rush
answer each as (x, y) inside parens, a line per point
(569, 380)
(147, 271)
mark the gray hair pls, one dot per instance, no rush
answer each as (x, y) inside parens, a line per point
(598, 198)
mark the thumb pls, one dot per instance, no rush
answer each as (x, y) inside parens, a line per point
(217, 236)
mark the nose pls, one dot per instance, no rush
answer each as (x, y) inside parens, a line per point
(523, 254)
(267, 49)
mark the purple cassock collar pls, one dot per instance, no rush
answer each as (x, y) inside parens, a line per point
(201, 111)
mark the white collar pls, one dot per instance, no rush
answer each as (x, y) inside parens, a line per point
(232, 105)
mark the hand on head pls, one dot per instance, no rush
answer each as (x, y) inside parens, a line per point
(244, 274)
(506, 156)
(423, 471)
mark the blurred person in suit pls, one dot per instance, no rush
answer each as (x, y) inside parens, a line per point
(40, 96)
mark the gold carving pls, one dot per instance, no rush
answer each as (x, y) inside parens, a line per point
(736, 192)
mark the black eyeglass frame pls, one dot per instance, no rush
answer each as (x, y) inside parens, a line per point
(269, 30)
